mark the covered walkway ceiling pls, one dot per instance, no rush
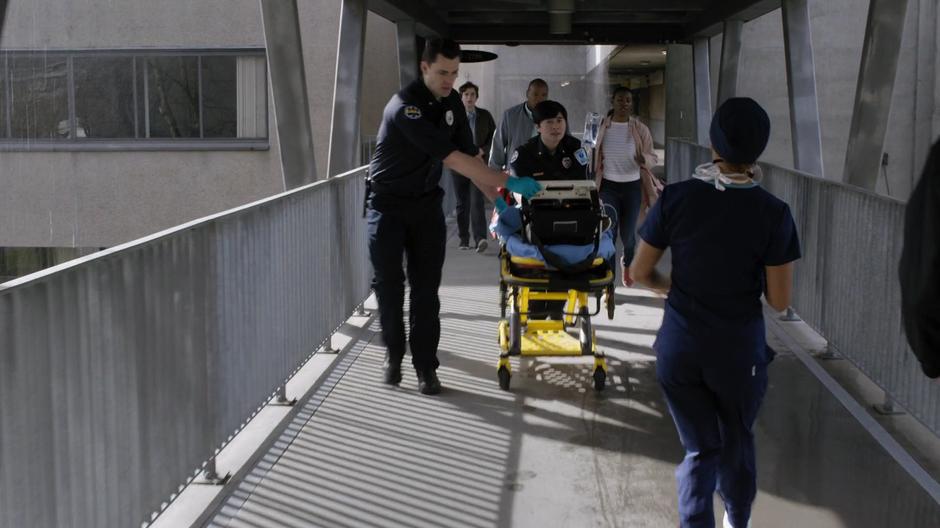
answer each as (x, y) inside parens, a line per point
(571, 21)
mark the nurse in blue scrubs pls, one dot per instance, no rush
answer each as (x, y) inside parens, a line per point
(731, 242)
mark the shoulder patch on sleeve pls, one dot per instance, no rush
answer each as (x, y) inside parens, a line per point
(412, 112)
(515, 156)
(581, 156)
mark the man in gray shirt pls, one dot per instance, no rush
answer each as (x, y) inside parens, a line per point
(517, 126)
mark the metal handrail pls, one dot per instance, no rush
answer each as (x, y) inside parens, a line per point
(846, 285)
(123, 372)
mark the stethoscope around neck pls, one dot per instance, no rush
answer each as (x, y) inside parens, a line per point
(710, 173)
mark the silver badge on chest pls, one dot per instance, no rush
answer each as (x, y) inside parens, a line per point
(566, 162)
(449, 117)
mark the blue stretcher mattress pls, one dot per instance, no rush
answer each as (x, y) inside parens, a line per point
(509, 226)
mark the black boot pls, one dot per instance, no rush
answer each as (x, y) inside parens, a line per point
(428, 382)
(392, 371)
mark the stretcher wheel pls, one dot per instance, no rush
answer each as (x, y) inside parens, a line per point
(610, 302)
(504, 376)
(587, 334)
(515, 333)
(600, 379)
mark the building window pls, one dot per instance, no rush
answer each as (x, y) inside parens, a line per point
(40, 99)
(104, 97)
(172, 88)
(127, 99)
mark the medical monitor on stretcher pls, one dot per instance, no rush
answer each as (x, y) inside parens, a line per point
(564, 212)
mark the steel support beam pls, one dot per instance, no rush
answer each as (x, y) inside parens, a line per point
(428, 22)
(703, 90)
(580, 34)
(289, 88)
(680, 93)
(344, 132)
(925, 77)
(3, 12)
(880, 53)
(801, 85)
(591, 6)
(407, 52)
(730, 54)
(711, 22)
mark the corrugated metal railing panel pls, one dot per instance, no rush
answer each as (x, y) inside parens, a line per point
(846, 284)
(122, 372)
(301, 267)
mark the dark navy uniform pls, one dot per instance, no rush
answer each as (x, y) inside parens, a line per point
(711, 351)
(569, 162)
(405, 215)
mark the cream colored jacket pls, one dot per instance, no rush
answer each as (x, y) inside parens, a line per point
(641, 136)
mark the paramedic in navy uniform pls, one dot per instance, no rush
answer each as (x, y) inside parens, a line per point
(423, 127)
(731, 241)
(552, 154)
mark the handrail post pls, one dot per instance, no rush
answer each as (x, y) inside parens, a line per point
(210, 475)
(790, 315)
(886, 407)
(281, 397)
(328, 346)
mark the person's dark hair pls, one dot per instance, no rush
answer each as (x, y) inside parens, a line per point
(467, 86)
(548, 109)
(536, 82)
(440, 46)
(619, 90)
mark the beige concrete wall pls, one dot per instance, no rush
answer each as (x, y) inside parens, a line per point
(838, 30)
(97, 199)
(503, 81)
(762, 75)
(656, 112)
(319, 30)
(380, 73)
(78, 199)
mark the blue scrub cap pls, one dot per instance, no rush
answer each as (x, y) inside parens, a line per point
(740, 130)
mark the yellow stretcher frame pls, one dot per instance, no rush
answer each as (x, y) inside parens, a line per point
(537, 337)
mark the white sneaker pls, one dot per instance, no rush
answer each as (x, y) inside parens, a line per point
(727, 523)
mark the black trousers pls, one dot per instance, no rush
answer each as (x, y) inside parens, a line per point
(415, 230)
(470, 209)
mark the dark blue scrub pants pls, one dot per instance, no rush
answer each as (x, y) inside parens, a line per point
(415, 230)
(625, 198)
(714, 395)
(471, 213)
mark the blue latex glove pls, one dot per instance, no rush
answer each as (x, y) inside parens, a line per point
(500, 204)
(524, 185)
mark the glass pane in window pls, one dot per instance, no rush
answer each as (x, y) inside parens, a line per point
(3, 96)
(173, 93)
(104, 97)
(143, 125)
(252, 90)
(219, 114)
(39, 97)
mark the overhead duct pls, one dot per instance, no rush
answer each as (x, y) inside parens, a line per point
(559, 16)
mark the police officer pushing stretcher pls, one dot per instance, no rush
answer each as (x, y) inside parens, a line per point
(423, 126)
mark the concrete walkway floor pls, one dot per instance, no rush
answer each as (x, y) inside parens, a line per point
(552, 452)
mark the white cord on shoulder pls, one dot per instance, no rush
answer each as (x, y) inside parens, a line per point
(709, 172)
